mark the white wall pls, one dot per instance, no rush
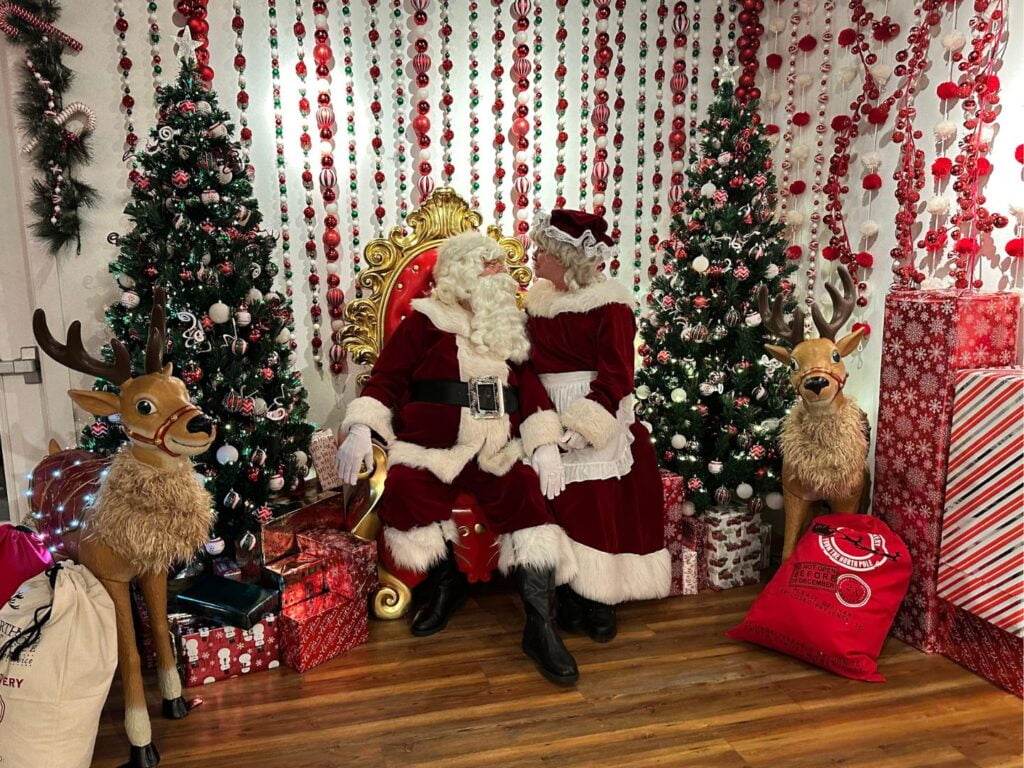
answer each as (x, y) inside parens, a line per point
(85, 288)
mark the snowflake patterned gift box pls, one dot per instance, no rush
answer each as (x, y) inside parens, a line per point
(320, 629)
(353, 572)
(928, 336)
(733, 546)
(208, 651)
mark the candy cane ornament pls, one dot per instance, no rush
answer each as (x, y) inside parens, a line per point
(8, 9)
(78, 109)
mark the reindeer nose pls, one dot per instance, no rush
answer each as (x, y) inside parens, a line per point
(200, 423)
(815, 384)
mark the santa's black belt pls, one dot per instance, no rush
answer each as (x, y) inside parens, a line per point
(484, 396)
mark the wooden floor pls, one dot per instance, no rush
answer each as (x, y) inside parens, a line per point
(670, 690)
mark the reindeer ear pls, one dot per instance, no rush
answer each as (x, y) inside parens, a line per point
(96, 403)
(168, 370)
(849, 342)
(781, 354)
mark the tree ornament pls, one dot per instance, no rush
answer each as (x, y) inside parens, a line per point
(227, 454)
(130, 299)
(744, 491)
(219, 312)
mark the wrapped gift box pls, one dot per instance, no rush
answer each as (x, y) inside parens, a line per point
(209, 651)
(322, 449)
(928, 336)
(733, 547)
(231, 602)
(981, 559)
(298, 578)
(684, 538)
(352, 562)
(277, 538)
(320, 629)
(982, 647)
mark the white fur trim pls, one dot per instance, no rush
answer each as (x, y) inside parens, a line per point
(592, 248)
(418, 549)
(170, 683)
(445, 317)
(545, 300)
(544, 547)
(591, 420)
(137, 727)
(371, 412)
(541, 428)
(612, 579)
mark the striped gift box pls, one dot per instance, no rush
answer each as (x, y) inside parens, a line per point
(981, 560)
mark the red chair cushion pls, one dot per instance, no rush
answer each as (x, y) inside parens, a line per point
(412, 283)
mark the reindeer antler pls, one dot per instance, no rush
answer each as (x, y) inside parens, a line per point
(157, 341)
(74, 356)
(842, 306)
(792, 333)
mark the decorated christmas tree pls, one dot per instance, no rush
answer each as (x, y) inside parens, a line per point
(713, 397)
(196, 232)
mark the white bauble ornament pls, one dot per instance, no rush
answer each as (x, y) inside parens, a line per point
(869, 228)
(126, 281)
(725, 158)
(708, 190)
(253, 296)
(774, 500)
(744, 491)
(214, 546)
(227, 454)
(801, 152)
(284, 336)
(204, 108)
(794, 219)
(871, 160)
(678, 395)
(688, 509)
(945, 130)
(847, 75)
(774, 96)
(954, 41)
(643, 392)
(938, 205)
(220, 312)
(802, 80)
(700, 264)
(753, 319)
(678, 442)
(881, 73)
(242, 317)
(130, 299)
(260, 406)
(771, 271)
(777, 24)
(200, 478)
(276, 482)
(715, 467)
(224, 175)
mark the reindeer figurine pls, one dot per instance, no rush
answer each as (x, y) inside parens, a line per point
(149, 510)
(825, 436)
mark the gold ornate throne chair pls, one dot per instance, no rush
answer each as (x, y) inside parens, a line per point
(397, 270)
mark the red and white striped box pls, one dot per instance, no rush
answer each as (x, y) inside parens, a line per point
(981, 559)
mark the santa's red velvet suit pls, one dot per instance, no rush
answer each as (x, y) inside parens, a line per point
(436, 450)
(611, 508)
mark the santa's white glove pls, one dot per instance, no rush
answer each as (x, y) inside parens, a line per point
(572, 441)
(354, 454)
(547, 461)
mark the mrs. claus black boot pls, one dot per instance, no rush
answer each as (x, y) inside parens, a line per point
(600, 621)
(446, 590)
(541, 641)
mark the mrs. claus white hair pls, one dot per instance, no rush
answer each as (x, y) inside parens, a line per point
(580, 259)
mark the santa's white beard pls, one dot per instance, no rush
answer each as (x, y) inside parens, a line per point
(498, 326)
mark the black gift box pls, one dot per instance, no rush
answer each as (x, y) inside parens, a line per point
(232, 602)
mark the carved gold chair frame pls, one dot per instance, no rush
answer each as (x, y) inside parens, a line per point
(442, 215)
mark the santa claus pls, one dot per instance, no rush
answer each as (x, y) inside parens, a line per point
(459, 408)
(582, 329)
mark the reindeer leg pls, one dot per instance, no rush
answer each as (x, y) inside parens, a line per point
(154, 589)
(136, 717)
(798, 511)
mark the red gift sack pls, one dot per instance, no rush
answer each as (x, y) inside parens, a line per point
(833, 602)
(23, 555)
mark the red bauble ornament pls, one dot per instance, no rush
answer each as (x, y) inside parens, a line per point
(847, 37)
(942, 167)
(1015, 248)
(801, 119)
(773, 61)
(948, 90)
(794, 252)
(872, 181)
(864, 259)
(984, 166)
(1018, 153)
(797, 188)
(828, 253)
(807, 43)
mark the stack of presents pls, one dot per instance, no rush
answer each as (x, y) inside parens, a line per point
(949, 480)
(298, 595)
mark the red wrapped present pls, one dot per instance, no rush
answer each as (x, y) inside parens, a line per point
(982, 647)
(208, 651)
(322, 448)
(981, 560)
(683, 537)
(928, 335)
(299, 578)
(226, 567)
(355, 572)
(143, 629)
(320, 629)
(277, 538)
(694, 533)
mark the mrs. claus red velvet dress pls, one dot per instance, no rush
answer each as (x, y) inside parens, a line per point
(611, 508)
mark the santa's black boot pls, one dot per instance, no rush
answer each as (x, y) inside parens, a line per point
(600, 621)
(571, 610)
(541, 641)
(446, 590)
